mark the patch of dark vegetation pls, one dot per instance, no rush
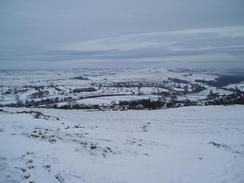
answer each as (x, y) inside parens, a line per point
(93, 146)
(217, 145)
(235, 98)
(47, 167)
(26, 176)
(141, 104)
(39, 103)
(131, 84)
(39, 94)
(14, 91)
(43, 134)
(60, 178)
(55, 135)
(183, 70)
(222, 81)
(8, 92)
(196, 88)
(145, 127)
(38, 88)
(22, 169)
(96, 149)
(38, 115)
(178, 80)
(79, 90)
(80, 78)
(151, 104)
(78, 106)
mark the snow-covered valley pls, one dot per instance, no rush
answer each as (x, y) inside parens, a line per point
(115, 89)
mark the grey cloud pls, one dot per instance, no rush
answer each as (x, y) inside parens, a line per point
(180, 43)
(61, 30)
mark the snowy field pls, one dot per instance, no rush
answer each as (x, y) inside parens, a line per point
(183, 145)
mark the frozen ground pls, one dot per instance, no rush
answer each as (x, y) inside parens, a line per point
(183, 145)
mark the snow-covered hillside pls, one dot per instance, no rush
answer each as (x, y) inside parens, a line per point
(183, 145)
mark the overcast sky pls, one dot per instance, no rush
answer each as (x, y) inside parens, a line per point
(64, 31)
